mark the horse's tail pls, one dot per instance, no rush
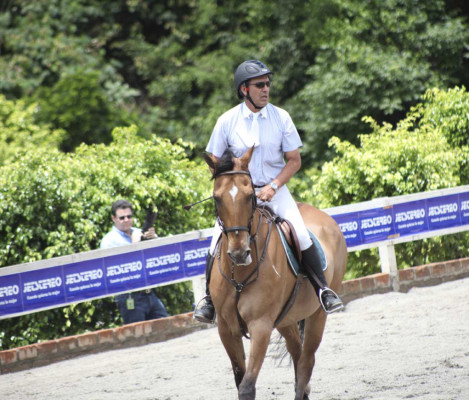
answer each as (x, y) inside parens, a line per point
(301, 326)
(280, 352)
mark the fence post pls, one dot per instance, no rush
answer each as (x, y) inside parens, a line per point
(387, 256)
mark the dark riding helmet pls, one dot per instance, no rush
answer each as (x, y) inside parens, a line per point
(248, 70)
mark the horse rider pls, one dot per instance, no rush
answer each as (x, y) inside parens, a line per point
(270, 129)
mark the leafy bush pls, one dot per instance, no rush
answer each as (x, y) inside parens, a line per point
(448, 112)
(423, 152)
(54, 204)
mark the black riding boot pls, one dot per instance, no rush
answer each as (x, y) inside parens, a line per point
(329, 300)
(206, 313)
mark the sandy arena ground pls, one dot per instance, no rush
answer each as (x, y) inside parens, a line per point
(391, 346)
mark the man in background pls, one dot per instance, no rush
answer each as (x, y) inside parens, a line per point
(142, 305)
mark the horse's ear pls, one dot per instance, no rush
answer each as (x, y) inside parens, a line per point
(246, 158)
(211, 160)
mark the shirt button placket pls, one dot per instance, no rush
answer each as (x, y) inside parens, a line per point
(260, 159)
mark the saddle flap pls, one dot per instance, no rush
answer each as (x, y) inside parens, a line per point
(290, 236)
(291, 244)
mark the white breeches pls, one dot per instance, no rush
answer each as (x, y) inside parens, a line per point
(285, 207)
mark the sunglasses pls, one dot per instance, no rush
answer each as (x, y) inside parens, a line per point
(261, 85)
(130, 216)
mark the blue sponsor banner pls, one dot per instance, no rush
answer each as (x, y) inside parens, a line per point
(350, 226)
(443, 212)
(195, 254)
(103, 276)
(124, 272)
(404, 219)
(410, 218)
(164, 264)
(376, 224)
(84, 279)
(42, 288)
(11, 301)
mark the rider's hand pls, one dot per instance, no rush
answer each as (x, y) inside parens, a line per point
(266, 193)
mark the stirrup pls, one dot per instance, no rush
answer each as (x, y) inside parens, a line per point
(339, 306)
(203, 318)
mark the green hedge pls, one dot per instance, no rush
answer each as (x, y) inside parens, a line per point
(54, 204)
(427, 150)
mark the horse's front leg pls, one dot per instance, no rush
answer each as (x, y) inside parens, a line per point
(235, 350)
(260, 337)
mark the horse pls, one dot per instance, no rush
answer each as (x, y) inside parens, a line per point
(251, 283)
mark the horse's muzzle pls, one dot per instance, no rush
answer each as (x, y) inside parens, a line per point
(240, 257)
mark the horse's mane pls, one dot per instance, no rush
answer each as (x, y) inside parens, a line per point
(226, 163)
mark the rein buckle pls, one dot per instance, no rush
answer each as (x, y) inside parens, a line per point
(239, 287)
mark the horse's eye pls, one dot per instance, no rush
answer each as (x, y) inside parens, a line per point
(217, 199)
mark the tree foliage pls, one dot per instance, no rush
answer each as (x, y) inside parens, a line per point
(20, 133)
(78, 104)
(168, 66)
(377, 58)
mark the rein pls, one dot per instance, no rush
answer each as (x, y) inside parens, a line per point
(239, 286)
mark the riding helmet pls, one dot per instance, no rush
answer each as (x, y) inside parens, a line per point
(248, 70)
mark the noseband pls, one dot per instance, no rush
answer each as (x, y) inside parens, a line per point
(236, 229)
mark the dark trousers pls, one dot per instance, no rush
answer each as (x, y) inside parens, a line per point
(147, 306)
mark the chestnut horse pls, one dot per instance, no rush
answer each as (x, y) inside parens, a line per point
(251, 282)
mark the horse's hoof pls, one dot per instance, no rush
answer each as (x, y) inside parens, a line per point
(307, 392)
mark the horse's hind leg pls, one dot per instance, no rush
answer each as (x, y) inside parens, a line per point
(293, 343)
(235, 350)
(314, 329)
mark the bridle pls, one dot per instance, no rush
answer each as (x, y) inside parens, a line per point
(239, 286)
(238, 228)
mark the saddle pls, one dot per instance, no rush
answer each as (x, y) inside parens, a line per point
(291, 245)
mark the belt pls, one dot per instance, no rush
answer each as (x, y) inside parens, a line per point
(145, 291)
(258, 186)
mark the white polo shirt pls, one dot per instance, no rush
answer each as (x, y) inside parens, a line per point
(277, 135)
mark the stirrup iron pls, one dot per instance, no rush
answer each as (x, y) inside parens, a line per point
(337, 307)
(198, 307)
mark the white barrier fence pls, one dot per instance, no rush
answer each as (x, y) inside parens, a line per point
(404, 219)
(57, 282)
